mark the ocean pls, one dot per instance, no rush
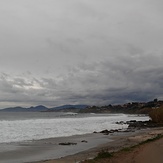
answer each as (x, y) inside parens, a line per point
(17, 127)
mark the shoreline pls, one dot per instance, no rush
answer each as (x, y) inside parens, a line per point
(83, 147)
(45, 149)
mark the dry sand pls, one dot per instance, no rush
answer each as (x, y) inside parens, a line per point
(151, 152)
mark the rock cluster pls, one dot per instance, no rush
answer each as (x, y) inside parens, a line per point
(68, 143)
(142, 124)
(107, 132)
(133, 125)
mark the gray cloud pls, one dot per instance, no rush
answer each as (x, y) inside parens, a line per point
(99, 83)
(80, 51)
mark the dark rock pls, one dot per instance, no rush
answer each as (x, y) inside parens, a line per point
(142, 124)
(84, 141)
(68, 143)
(121, 123)
(106, 132)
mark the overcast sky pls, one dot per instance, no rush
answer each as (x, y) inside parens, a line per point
(96, 52)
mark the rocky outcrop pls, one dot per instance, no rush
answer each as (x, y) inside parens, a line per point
(143, 124)
(133, 125)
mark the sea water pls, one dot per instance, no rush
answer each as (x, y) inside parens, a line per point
(16, 127)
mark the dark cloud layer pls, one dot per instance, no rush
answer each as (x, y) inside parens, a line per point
(127, 79)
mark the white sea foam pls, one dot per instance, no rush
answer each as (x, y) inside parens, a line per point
(40, 128)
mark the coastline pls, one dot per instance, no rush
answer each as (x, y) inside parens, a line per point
(85, 147)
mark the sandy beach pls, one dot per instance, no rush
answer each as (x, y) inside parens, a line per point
(150, 152)
(83, 147)
(119, 141)
(147, 153)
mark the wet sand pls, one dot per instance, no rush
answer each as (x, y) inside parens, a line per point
(49, 150)
(45, 149)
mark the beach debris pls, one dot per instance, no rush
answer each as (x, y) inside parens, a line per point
(107, 132)
(68, 143)
(84, 141)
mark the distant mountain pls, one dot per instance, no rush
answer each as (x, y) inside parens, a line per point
(69, 107)
(42, 108)
(21, 109)
(14, 109)
(38, 108)
(129, 108)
